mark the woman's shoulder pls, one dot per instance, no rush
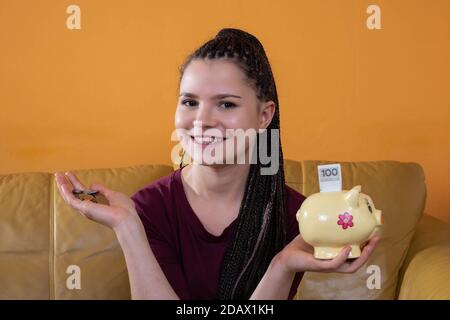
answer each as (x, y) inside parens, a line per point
(294, 199)
(156, 188)
(158, 195)
(162, 185)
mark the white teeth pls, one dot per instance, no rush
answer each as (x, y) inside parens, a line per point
(208, 140)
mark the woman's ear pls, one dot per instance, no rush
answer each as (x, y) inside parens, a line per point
(266, 113)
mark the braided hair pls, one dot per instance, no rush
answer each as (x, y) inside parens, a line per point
(261, 230)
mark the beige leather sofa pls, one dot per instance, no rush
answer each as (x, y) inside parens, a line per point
(42, 240)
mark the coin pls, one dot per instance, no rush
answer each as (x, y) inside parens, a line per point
(77, 191)
(84, 196)
(88, 191)
(100, 198)
(91, 195)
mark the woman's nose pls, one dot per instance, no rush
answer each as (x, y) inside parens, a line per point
(205, 117)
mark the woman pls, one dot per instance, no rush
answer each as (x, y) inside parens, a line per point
(217, 229)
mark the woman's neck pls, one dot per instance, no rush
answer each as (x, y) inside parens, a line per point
(209, 182)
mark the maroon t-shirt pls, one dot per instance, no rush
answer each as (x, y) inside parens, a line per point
(188, 254)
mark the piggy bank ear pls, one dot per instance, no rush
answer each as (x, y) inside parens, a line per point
(352, 196)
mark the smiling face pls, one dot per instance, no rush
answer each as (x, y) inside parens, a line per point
(215, 100)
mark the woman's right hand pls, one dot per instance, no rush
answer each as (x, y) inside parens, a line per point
(120, 205)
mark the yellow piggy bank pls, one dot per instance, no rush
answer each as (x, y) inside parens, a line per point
(329, 221)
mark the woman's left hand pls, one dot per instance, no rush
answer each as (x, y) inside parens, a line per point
(298, 256)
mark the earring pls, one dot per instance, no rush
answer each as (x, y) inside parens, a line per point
(182, 152)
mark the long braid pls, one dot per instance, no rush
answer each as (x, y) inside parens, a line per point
(261, 230)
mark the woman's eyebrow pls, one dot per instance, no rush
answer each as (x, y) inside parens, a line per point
(218, 96)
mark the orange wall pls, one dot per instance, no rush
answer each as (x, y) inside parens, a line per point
(104, 96)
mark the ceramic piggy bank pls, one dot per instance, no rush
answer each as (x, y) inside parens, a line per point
(329, 221)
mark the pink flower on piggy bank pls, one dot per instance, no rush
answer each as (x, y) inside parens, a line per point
(345, 220)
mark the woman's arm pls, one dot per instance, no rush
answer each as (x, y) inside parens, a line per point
(275, 284)
(147, 280)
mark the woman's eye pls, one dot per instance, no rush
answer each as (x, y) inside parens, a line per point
(228, 105)
(187, 103)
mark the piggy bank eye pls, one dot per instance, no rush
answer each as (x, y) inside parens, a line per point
(368, 206)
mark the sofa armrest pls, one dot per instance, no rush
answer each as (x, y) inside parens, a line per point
(428, 275)
(425, 273)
